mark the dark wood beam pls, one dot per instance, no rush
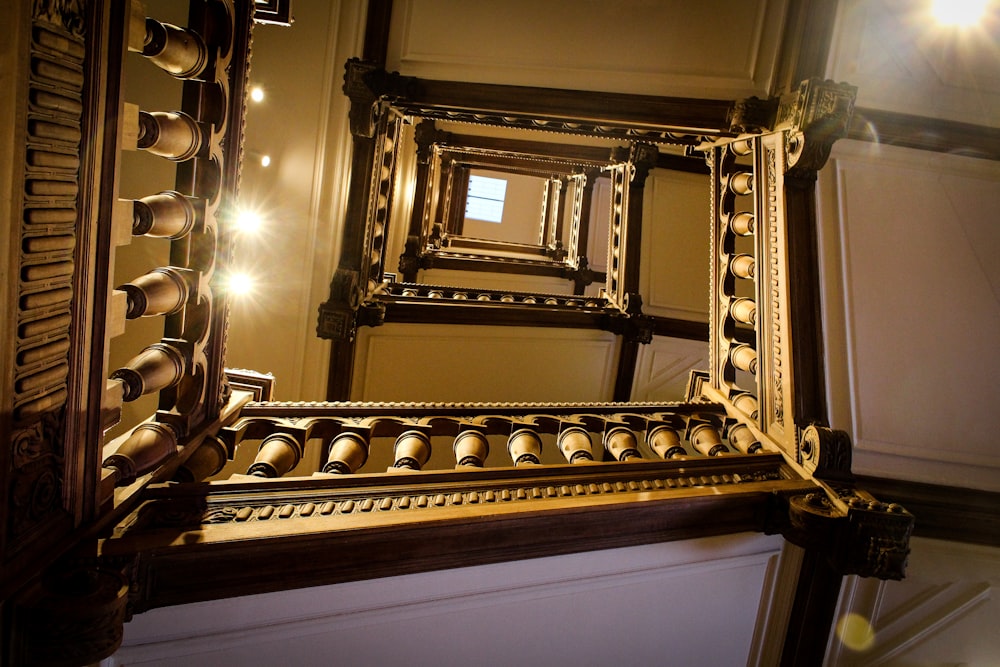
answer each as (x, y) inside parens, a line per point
(692, 115)
(928, 134)
(813, 609)
(628, 356)
(377, 23)
(428, 311)
(942, 512)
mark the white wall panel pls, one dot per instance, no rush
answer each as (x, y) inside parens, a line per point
(654, 604)
(663, 367)
(902, 60)
(675, 236)
(423, 362)
(943, 613)
(719, 48)
(912, 307)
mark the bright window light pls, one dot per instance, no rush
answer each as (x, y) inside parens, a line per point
(485, 198)
(239, 283)
(959, 13)
(257, 94)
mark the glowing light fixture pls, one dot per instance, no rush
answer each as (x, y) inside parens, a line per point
(257, 94)
(265, 160)
(239, 284)
(249, 222)
(959, 13)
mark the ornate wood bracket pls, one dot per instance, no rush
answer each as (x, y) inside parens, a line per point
(856, 533)
(74, 615)
(368, 85)
(814, 116)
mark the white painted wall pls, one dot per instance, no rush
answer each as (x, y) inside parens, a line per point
(680, 603)
(910, 297)
(943, 613)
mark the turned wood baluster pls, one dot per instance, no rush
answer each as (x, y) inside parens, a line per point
(471, 449)
(180, 52)
(171, 134)
(167, 214)
(746, 402)
(743, 266)
(743, 223)
(621, 444)
(744, 358)
(159, 366)
(524, 447)
(744, 310)
(743, 439)
(574, 443)
(411, 451)
(705, 438)
(665, 441)
(207, 460)
(145, 449)
(348, 452)
(279, 453)
(162, 291)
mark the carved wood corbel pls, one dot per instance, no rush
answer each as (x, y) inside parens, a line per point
(814, 116)
(856, 533)
(368, 85)
(74, 615)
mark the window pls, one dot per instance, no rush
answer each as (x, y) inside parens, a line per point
(484, 200)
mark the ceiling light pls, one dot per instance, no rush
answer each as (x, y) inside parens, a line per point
(249, 222)
(959, 13)
(257, 94)
(239, 283)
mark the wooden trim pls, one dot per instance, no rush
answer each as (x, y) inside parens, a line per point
(805, 316)
(692, 115)
(341, 371)
(359, 527)
(928, 134)
(377, 23)
(628, 356)
(806, 43)
(813, 610)
(428, 311)
(942, 512)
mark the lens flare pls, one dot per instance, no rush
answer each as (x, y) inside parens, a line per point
(959, 13)
(855, 632)
(257, 94)
(249, 222)
(240, 284)
(265, 160)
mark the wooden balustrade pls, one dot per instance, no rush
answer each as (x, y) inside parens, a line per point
(348, 452)
(471, 449)
(181, 52)
(147, 447)
(167, 214)
(162, 291)
(173, 135)
(159, 366)
(411, 450)
(279, 453)
(402, 437)
(574, 443)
